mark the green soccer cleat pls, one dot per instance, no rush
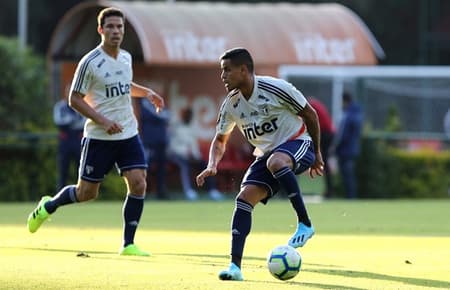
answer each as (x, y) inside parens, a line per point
(233, 273)
(38, 216)
(133, 250)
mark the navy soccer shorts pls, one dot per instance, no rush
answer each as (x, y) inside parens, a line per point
(302, 154)
(99, 156)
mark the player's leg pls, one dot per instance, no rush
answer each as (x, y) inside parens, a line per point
(68, 195)
(296, 154)
(132, 166)
(86, 189)
(241, 223)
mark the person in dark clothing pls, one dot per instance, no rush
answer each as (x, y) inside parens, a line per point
(70, 126)
(155, 138)
(327, 132)
(347, 145)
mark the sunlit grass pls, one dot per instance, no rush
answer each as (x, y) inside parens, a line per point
(357, 246)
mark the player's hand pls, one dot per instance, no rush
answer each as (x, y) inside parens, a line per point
(112, 127)
(317, 168)
(209, 171)
(157, 101)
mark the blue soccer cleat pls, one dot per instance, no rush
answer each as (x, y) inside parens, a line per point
(301, 236)
(233, 273)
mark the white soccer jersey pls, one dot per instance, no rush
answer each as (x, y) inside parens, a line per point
(106, 83)
(268, 118)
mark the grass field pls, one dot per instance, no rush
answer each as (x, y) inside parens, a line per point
(358, 245)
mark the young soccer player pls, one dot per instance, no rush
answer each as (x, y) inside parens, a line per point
(284, 129)
(101, 91)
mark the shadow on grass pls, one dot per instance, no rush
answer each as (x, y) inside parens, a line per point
(369, 275)
(87, 254)
(337, 272)
(61, 250)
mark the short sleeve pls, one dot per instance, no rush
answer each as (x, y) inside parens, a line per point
(225, 122)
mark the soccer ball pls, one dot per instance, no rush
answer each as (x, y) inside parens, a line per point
(284, 262)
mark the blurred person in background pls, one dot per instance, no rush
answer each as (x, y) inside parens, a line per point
(185, 153)
(284, 129)
(347, 143)
(155, 137)
(447, 123)
(101, 91)
(327, 132)
(70, 132)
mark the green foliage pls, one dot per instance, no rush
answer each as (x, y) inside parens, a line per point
(28, 170)
(113, 187)
(386, 172)
(393, 122)
(23, 85)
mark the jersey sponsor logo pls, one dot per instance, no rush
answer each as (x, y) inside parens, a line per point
(117, 89)
(253, 130)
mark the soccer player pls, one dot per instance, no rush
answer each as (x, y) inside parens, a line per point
(284, 129)
(101, 91)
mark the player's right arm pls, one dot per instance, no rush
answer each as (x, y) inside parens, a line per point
(77, 102)
(216, 151)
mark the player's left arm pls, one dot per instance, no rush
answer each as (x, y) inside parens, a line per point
(139, 91)
(309, 116)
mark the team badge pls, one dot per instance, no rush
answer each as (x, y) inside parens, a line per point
(89, 169)
(264, 109)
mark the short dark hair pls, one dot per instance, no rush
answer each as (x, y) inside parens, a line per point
(239, 56)
(347, 97)
(107, 12)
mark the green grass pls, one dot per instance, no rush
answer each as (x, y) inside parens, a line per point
(396, 244)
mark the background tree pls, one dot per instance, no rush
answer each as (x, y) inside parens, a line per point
(25, 106)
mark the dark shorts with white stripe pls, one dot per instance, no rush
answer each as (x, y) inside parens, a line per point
(302, 154)
(98, 157)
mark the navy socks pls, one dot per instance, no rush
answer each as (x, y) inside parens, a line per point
(132, 211)
(240, 228)
(65, 196)
(288, 182)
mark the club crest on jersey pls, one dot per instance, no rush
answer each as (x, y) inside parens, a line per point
(253, 130)
(264, 109)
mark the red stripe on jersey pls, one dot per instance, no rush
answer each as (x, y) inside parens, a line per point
(299, 132)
